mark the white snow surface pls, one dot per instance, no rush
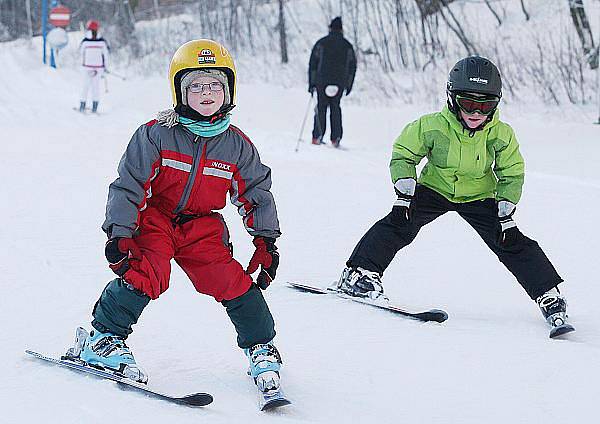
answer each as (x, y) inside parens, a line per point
(491, 362)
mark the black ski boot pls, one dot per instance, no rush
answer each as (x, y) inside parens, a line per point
(359, 282)
(554, 309)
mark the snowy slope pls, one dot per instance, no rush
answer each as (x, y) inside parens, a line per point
(490, 362)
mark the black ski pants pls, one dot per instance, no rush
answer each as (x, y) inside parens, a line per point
(335, 114)
(524, 258)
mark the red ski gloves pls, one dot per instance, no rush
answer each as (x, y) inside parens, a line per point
(118, 251)
(267, 257)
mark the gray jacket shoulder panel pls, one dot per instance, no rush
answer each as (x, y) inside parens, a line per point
(251, 189)
(127, 194)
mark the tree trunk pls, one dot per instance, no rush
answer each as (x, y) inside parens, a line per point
(457, 29)
(584, 32)
(29, 21)
(524, 10)
(282, 34)
(13, 17)
(487, 3)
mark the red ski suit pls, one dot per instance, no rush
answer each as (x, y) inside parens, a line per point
(170, 184)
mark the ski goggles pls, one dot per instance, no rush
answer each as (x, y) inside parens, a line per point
(199, 87)
(475, 104)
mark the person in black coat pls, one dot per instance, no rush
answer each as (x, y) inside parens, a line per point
(331, 71)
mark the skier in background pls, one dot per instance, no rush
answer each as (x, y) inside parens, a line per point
(173, 177)
(94, 61)
(331, 71)
(474, 168)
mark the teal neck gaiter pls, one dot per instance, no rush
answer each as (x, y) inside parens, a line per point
(205, 129)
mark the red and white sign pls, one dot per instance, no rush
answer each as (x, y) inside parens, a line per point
(60, 16)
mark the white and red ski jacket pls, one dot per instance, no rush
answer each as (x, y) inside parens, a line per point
(94, 53)
(181, 173)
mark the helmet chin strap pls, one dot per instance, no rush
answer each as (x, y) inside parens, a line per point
(188, 112)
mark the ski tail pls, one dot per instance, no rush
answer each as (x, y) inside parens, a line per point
(272, 399)
(561, 330)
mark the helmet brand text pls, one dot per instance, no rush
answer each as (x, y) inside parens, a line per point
(478, 80)
(206, 56)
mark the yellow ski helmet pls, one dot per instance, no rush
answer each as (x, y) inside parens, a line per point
(200, 54)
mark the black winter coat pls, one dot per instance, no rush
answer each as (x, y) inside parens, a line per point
(332, 61)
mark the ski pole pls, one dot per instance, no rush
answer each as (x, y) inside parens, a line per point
(115, 75)
(303, 123)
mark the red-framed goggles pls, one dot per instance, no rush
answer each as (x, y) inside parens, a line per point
(472, 104)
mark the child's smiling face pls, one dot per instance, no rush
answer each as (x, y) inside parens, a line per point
(203, 97)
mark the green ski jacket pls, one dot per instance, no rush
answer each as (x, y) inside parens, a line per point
(460, 167)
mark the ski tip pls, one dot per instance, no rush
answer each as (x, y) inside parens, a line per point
(561, 330)
(435, 315)
(275, 403)
(307, 288)
(32, 353)
(197, 399)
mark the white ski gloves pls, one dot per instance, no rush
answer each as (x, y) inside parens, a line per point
(509, 233)
(506, 210)
(405, 190)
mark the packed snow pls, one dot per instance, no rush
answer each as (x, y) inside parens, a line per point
(491, 362)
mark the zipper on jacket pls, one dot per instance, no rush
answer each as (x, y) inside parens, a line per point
(195, 186)
(192, 177)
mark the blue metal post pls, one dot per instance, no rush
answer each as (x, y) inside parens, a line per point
(52, 61)
(44, 26)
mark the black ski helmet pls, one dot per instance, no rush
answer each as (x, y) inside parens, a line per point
(475, 74)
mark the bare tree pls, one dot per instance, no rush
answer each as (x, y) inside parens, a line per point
(431, 7)
(524, 10)
(487, 3)
(13, 19)
(456, 27)
(582, 26)
(124, 25)
(282, 34)
(29, 22)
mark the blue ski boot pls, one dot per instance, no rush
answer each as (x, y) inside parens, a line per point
(265, 362)
(108, 351)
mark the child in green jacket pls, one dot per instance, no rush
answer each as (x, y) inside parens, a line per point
(474, 168)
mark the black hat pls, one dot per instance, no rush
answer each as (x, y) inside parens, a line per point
(475, 74)
(336, 24)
